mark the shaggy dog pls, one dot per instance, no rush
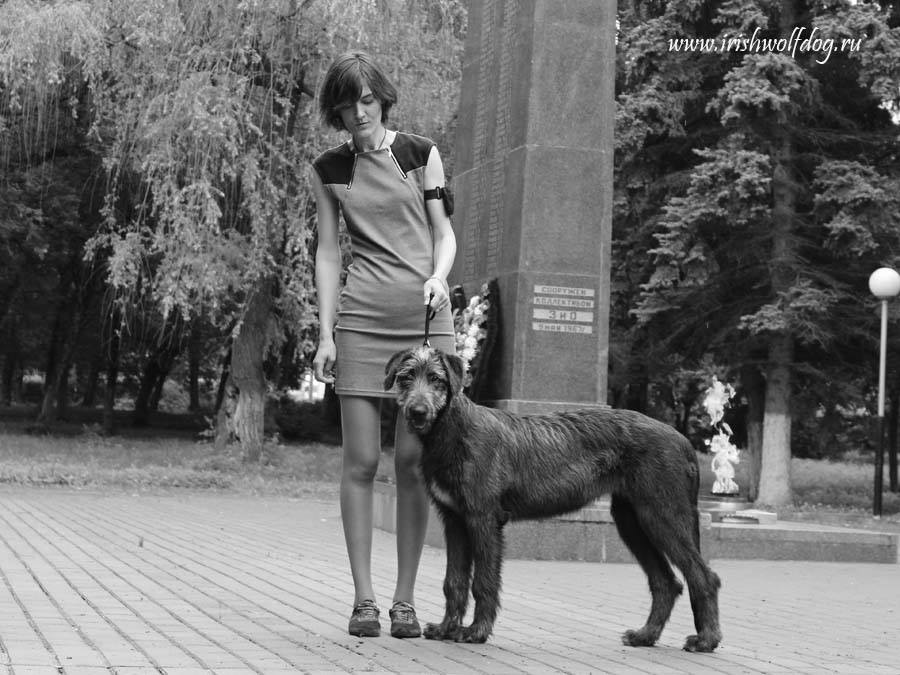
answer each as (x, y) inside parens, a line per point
(484, 467)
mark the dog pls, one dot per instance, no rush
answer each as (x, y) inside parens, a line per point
(484, 467)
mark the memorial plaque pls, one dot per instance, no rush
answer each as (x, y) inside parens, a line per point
(534, 154)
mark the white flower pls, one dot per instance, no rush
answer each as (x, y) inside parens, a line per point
(470, 328)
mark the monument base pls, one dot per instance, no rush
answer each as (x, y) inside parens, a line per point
(590, 535)
(735, 510)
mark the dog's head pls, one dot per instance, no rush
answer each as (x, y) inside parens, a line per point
(426, 379)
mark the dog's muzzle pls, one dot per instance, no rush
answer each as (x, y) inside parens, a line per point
(417, 415)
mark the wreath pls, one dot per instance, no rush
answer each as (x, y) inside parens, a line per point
(475, 326)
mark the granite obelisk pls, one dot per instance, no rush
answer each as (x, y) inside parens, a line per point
(533, 182)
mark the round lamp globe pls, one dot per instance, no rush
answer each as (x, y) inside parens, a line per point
(884, 283)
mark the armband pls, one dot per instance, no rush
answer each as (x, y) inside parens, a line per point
(444, 194)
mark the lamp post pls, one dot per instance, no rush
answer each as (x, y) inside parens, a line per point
(884, 284)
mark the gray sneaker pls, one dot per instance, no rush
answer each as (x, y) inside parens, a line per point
(364, 620)
(403, 621)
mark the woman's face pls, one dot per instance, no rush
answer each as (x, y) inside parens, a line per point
(363, 118)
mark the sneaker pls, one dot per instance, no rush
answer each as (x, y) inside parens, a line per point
(403, 621)
(364, 620)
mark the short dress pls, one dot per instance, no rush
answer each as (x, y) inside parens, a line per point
(380, 311)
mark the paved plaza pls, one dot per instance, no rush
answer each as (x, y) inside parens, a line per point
(188, 582)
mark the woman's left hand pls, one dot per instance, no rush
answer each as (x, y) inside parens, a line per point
(441, 292)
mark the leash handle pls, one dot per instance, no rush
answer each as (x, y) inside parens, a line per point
(429, 315)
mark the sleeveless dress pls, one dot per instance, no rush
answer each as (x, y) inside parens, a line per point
(381, 310)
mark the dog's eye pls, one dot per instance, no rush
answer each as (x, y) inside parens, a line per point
(434, 378)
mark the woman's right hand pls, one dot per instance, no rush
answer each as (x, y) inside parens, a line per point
(323, 362)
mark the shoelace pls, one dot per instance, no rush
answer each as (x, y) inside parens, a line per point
(366, 610)
(403, 611)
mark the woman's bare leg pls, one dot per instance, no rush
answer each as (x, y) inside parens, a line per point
(361, 427)
(412, 510)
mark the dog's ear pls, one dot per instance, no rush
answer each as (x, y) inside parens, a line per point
(455, 371)
(390, 370)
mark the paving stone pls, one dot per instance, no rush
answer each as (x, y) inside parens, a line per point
(240, 584)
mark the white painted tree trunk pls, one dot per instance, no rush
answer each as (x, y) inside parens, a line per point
(775, 472)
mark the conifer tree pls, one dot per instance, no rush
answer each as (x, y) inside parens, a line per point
(766, 173)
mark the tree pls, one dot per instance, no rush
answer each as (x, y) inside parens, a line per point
(203, 115)
(763, 234)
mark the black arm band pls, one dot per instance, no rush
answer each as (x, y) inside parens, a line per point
(444, 194)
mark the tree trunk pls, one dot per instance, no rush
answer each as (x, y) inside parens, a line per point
(775, 474)
(755, 390)
(75, 296)
(194, 356)
(158, 387)
(93, 381)
(112, 378)
(248, 376)
(62, 390)
(224, 379)
(142, 401)
(775, 471)
(167, 362)
(6, 379)
(10, 361)
(47, 412)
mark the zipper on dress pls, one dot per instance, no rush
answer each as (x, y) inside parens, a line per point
(396, 163)
(352, 171)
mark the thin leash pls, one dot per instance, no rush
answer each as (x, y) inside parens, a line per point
(429, 315)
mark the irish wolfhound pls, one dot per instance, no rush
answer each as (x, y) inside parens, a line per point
(483, 467)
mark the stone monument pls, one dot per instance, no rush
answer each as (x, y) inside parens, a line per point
(533, 183)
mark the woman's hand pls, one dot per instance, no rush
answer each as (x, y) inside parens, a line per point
(323, 361)
(441, 292)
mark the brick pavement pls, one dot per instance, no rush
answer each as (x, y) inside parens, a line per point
(186, 583)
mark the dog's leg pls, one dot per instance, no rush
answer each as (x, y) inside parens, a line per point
(672, 529)
(664, 587)
(456, 579)
(486, 536)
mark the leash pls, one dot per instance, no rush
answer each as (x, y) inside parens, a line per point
(429, 315)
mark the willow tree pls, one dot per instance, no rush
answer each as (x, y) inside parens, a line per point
(780, 188)
(203, 113)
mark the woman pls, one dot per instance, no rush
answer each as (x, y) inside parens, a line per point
(403, 247)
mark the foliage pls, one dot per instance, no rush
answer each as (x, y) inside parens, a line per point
(755, 192)
(195, 126)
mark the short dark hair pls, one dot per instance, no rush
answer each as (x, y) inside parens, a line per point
(344, 83)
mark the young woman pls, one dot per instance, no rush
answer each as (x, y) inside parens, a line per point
(383, 183)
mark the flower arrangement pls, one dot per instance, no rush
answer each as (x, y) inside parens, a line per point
(725, 453)
(471, 326)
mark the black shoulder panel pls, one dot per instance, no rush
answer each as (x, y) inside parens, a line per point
(411, 151)
(334, 166)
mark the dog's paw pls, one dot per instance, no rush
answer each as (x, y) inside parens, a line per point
(440, 631)
(475, 634)
(433, 631)
(638, 638)
(697, 643)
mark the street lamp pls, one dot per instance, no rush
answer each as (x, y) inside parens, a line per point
(884, 284)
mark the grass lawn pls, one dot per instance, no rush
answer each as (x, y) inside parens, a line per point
(168, 455)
